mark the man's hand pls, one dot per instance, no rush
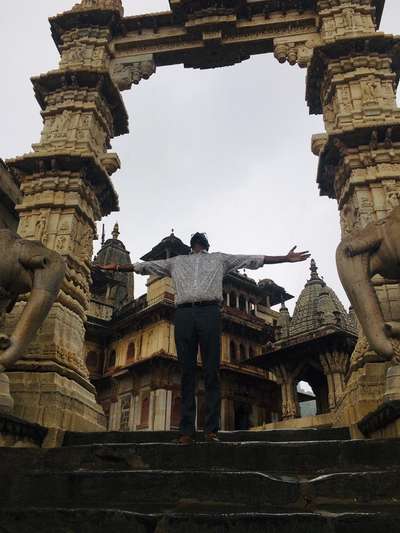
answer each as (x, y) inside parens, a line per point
(111, 266)
(297, 257)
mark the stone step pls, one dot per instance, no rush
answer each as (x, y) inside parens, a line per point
(292, 458)
(285, 435)
(106, 521)
(196, 492)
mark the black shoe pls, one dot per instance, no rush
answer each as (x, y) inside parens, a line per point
(211, 437)
(186, 440)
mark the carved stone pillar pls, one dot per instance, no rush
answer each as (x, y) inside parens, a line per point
(290, 403)
(227, 414)
(352, 81)
(335, 366)
(160, 409)
(66, 187)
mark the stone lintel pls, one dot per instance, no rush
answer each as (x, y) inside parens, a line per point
(214, 41)
(65, 79)
(87, 164)
(266, 8)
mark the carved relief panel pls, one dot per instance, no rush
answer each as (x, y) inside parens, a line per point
(359, 91)
(85, 47)
(345, 19)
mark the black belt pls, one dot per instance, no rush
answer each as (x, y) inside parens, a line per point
(198, 304)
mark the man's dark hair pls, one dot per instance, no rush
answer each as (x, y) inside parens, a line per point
(200, 238)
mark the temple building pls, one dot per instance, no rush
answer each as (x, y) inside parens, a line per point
(312, 346)
(10, 195)
(131, 353)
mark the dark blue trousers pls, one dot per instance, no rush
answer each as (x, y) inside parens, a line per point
(194, 327)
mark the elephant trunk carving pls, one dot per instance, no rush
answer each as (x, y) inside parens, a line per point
(360, 256)
(29, 266)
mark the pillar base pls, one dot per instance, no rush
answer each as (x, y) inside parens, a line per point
(6, 401)
(392, 392)
(55, 401)
(363, 393)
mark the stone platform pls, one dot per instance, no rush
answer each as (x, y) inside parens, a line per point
(304, 481)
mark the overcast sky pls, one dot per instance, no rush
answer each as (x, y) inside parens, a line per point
(224, 151)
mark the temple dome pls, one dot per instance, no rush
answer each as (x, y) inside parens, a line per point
(112, 251)
(115, 287)
(317, 306)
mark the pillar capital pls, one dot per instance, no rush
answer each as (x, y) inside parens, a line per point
(334, 362)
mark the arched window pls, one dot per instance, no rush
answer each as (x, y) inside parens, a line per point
(131, 351)
(242, 303)
(111, 360)
(243, 353)
(252, 308)
(92, 362)
(233, 352)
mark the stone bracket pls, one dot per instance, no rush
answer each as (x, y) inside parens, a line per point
(298, 50)
(129, 71)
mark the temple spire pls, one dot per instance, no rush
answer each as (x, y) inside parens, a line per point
(314, 270)
(115, 233)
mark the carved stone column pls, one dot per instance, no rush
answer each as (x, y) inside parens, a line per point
(290, 403)
(352, 81)
(334, 365)
(66, 187)
(227, 413)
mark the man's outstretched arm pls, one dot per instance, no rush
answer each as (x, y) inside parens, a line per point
(291, 257)
(157, 268)
(253, 262)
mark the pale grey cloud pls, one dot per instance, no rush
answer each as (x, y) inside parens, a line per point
(225, 151)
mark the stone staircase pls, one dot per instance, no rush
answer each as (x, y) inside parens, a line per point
(301, 481)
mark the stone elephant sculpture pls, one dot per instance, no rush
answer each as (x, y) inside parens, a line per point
(26, 266)
(362, 255)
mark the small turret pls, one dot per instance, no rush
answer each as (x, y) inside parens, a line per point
(283, 323)
(115, 288)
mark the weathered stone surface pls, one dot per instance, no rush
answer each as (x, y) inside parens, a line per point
(152, 491)
(382, 421)
(15, 432)
(97, 521)
(110, 437)
(73, 521)
(231, 487)
(307, 459)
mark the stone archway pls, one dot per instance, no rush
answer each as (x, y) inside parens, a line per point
(65, 181)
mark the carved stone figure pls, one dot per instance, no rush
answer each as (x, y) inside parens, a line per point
(28, 266)
(362, 255)
(348, 15)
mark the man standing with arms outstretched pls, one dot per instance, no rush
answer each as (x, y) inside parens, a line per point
(198, 279)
